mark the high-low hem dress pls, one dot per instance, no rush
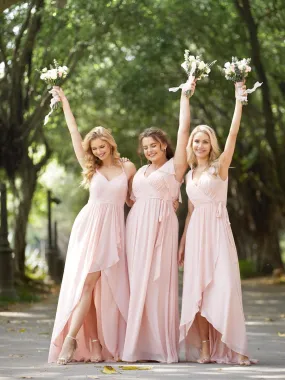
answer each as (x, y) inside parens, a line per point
(151, 246)
(211, 282)
(97, 243)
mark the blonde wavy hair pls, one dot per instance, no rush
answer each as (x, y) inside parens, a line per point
(214, 152)
(91, 161)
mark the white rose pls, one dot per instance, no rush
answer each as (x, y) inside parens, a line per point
(227, 65)
(53, 74)
(201, 65)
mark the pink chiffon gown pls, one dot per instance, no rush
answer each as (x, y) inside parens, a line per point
(97, 243)
(151, 243)
(211, 275)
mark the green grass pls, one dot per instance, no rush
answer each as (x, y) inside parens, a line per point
(247, 269)
(28, 291)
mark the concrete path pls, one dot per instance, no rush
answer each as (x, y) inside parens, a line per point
(25, 335)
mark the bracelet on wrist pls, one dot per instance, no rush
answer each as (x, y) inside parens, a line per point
(188, 94)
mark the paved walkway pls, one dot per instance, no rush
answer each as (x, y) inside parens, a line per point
(25, 336)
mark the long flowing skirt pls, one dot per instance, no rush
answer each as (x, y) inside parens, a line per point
(96, 244)
(152, 240)
(212, 287)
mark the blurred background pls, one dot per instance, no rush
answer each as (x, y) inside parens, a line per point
(123, 55)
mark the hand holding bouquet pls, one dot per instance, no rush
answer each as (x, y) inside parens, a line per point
(195, 68)
(237, 71)
(53, 77)
(188, 88)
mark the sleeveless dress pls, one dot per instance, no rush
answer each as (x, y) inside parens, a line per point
(151, 246)
(211, 274)
(97, 243)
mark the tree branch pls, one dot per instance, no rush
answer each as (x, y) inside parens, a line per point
(244, 9)
(34, 27)
(3, 53)
(47, 155)
(19, 64)
(21, 32)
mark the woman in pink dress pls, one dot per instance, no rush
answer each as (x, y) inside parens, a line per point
(92, 309)
(212, 327)
(152, 245)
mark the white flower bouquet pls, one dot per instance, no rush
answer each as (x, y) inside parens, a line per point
(53, 77)
(237, 71)
(195, 68)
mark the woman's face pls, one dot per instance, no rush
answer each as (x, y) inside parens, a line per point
(201, 145)
(153, 150)
(100, 149)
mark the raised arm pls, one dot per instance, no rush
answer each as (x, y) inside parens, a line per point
(71, 124)
(227, 155)
(180, 159)
(181, 250)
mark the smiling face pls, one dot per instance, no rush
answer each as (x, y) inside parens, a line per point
(100, 149)
(153, 150)
(201, 145)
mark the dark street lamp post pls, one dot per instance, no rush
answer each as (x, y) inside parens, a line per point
(59, 261)
(6, 259)
(51, 251)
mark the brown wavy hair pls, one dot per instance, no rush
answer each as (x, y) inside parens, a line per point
(91, 161)
(158, 135)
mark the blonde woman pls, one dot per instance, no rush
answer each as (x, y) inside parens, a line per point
(92, 309)
(212, 327)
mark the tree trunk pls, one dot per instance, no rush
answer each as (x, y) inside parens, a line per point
(28, 175)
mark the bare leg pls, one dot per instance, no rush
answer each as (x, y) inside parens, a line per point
(96, 348)
(78, 316)
(203, 325)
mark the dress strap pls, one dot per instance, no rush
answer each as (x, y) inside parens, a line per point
(123, 169)
(122, 165)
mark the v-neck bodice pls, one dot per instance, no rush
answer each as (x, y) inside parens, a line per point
(112, 191)
(160, 184)
(112, 179)
(208, 189)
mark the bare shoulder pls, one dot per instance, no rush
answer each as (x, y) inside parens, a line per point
(129, 168)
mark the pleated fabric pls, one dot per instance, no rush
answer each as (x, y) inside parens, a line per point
(97, 243)
(151, 243)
